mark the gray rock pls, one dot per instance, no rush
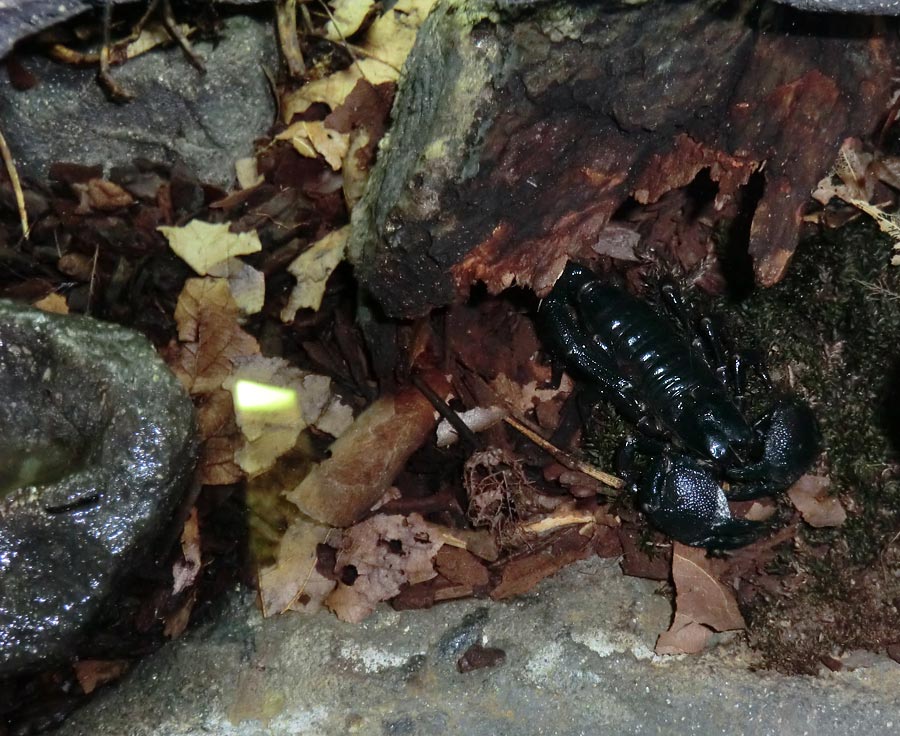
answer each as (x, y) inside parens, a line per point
(205, 121)
(96, 446)
(579, 660)
(24, 18)
(866, 7)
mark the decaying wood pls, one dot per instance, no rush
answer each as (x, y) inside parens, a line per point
(541, 129)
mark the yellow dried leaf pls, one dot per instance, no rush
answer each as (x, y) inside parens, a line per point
(391, 37)
(385, 47)
(54, 303)
(347, 17)
(203, 245)
(247, 284)
(313, 138)
(356, 175)
(283, 584)
(206, 316)
(291, 400)
(312, 269)
(153, 35)
(247, 172)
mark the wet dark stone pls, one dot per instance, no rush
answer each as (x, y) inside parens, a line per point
(96, 447)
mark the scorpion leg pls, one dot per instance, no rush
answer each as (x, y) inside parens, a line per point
(682, 499)
(703, 335)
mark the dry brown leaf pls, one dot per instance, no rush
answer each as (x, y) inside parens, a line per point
(221, 437)
(292, 582)
(177, 622)
(101, 196)
(852, 177)
(480, 542)
(524, 398)
(618, 241)
(759, 512)
(53, 303)
(701, 602)
(810, 497)
(683, 637)
(522, 573)
(386, 552)
(365, 460)
(212, 340)
(461, 567)
(93, 672)
(186, 569)
(700, 596)
(77, 265)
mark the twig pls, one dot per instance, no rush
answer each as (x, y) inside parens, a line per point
(115, 90)
(16, 185)
(93, 275)
(563, 457)
(286, 19)
(440, 406)
(555, 521)
(171, 25)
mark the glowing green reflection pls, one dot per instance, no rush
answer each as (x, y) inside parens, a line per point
(269, 403)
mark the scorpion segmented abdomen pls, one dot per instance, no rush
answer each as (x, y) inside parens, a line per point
(662, 363)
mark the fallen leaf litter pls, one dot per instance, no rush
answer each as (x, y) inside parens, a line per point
(509, 518)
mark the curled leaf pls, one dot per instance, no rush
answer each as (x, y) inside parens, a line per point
(819, 509)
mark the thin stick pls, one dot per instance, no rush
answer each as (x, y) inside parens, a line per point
(115, 90)
(564, 458)
(171, 25)
(93, 274)
(440, 406)
(555, 521)
(16, 185)
(286, 20)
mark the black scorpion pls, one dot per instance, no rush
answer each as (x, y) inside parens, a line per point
(674, 380)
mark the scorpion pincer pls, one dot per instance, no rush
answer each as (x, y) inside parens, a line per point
(674, 380)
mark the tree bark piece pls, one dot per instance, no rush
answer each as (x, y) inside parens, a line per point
(516, 140)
